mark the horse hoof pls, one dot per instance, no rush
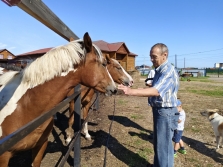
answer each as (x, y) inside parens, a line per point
(88, 138)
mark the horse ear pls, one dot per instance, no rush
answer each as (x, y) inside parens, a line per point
(108, 58)
(87, 42)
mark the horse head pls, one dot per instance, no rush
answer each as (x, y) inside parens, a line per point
(94, 72)
(118, 73)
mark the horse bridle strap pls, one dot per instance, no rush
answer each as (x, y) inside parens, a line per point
(211, 119)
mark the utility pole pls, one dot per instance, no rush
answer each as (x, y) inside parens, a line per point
(176, 61)
(184, 62)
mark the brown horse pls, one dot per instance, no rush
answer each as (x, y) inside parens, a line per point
(42, 85)
(118, 74)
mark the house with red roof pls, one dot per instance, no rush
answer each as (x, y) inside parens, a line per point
(118, 51)
(5, 56)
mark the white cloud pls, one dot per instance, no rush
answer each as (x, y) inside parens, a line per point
(11, 48)
(2, 46)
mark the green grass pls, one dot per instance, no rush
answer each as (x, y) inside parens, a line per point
(192, 160)
(217, 92)
(195, 130)
(138, 142)
(137, 116)
(145, 152)
(121, 102)
(198, 79)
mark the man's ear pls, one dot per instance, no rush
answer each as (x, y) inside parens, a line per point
(165, 55)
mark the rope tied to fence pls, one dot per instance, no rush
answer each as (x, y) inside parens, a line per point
(109, 132)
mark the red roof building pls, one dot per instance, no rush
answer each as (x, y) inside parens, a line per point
(5, 56)
(118, 51)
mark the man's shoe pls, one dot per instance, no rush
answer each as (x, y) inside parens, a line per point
(182, 151)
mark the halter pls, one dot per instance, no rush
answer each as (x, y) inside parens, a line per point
(211, 119)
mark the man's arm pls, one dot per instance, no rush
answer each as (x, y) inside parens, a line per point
(139, 92)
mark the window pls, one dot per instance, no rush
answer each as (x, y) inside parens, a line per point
(9, 56)
(1, 56)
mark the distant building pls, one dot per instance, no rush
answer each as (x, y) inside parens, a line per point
(118, 51)
(218, 65)
(5, 56)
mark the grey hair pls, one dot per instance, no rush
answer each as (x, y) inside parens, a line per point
(163, 48)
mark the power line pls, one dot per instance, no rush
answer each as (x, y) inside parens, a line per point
(188, 58)
(198, 52)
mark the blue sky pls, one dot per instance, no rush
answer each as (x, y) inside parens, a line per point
(192, 29)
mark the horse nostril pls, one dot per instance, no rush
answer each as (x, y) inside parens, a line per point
(115, 91)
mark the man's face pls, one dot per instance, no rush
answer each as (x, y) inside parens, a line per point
(156, 57)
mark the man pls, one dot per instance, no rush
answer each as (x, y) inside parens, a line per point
(163, 100)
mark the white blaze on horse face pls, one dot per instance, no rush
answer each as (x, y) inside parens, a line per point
(130, 78)
(10, 95)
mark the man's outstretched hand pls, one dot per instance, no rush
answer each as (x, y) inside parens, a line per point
(125, 89)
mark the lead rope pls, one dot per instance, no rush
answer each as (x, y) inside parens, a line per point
(106, 148)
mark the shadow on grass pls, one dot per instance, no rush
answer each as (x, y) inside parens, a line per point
(125, 155)
(203, 149)
(128, 123)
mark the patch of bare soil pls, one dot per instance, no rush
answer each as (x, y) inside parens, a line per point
(129, 143)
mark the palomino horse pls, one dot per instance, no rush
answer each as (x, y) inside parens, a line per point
(118, 74)
(42, 85)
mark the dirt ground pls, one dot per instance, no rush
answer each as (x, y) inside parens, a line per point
(129, 143)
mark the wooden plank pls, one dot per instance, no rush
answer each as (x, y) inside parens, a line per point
(38, 10)
(11, 2)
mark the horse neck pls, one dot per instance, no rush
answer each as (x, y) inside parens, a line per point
(47, 95)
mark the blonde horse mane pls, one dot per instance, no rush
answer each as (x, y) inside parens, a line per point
(6, 77)
(55, 62)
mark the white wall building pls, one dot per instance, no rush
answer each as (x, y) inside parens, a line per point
(218, 65)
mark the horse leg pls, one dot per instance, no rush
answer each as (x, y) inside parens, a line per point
(39, 149)
(85, 114)
(4, 159)
(37, 154)
(70, 122)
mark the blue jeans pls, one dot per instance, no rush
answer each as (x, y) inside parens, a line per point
(165, 121)
(177, 136)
